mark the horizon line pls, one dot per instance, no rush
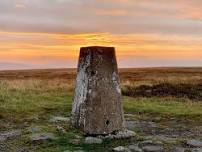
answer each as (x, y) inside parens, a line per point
(60, 68)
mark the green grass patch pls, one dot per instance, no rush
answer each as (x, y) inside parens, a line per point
(163, 106)
(32, 103)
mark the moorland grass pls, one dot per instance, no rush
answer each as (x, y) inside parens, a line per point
(32, 101)
(180, 90)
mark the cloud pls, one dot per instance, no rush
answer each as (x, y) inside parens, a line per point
(44, 33)
(14, 65)
(111, 12)
(43, 50)
(94, 16)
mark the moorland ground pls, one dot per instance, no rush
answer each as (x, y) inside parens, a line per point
(160, 102)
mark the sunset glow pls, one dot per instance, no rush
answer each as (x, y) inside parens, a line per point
(48, 34)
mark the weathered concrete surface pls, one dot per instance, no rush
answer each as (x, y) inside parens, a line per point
(97, 107)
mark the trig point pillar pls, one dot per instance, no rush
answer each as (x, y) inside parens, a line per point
(97, 107)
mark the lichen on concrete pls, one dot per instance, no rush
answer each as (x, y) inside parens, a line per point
(81, 90)
(116, 82)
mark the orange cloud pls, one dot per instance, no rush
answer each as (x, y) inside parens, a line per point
(42, 48)
(113, 12)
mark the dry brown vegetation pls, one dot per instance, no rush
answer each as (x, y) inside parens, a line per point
(137, 75)
(136, 82)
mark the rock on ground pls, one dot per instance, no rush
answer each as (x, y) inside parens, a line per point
(93, 140)
(42, 137)
(139, 124)
(121, 149)
(146, 142)
(153, 148)
(57, 119)
(120, 135)
(178, 149)
(197, 150)
(194, 143)
(130, 124)
(134, 148)
(9, 134)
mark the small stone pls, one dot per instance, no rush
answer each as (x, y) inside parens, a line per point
(121, 149)
(197, 150)
(120, 135)
(146, 142)
(126, 134)
(59, 119)
(134, 148)
(42, 137)
(9, 134)
(178, 149)
(130, 125)
(194, 143)
(93, 140)
(152, 148)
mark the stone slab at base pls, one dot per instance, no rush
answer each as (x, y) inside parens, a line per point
(124, 134)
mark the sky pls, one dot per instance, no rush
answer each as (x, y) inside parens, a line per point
(146, 33)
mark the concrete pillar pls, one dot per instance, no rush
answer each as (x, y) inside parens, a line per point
(97, 107)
